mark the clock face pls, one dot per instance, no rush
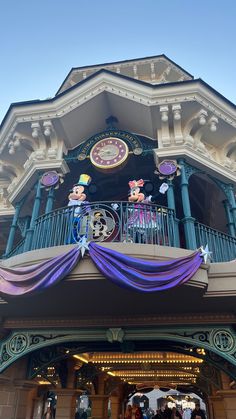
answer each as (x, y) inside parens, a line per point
(167, 167)
(109, 152)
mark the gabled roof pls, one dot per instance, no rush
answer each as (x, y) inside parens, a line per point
(76, 74)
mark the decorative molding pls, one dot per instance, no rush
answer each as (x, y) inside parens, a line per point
(121, 68)
(177, 122)
(5, 206)
(190, 170)
(124, 321)
(128, 88)
(30, 175)
(115, 334)
(164, 133)
(219, 340)
(213, 167)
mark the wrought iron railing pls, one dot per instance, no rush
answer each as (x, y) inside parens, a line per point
(222, 246)
(104, 221)
(17, 250)
(121, 222)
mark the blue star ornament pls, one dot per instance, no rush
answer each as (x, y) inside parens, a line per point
(83, 245)
(205, 253)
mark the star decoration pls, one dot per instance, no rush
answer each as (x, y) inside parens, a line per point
(83, 245)
(205, 253)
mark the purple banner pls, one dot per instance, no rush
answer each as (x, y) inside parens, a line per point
(143, 275)
(122, 270)
(36, 278)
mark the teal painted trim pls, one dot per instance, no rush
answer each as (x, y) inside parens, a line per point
(222, 246)
(231, 226)
(188, 220)
(27, 223)
(232, 203)
(35, 214)
(13, 227)
(184, 190)
(176, 233)
(171, 205)
(218, 339)
(189, 231)
(133, 140)
(228, 190)
(170, 195)
(50, 200)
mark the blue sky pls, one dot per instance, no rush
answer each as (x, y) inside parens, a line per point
(41, 40)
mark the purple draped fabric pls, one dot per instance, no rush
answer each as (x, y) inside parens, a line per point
(143, 275)
(36, 278)
(125, 271)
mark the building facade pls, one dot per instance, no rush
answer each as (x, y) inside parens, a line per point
(118, 221)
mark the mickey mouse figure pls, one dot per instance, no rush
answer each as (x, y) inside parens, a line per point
(77, 197)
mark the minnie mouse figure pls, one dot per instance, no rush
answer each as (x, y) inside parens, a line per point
(137, 196)
(143, 220)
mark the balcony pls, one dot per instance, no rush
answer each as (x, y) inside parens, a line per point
(121, 222)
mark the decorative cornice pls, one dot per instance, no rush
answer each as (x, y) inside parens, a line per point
(121, 321)
(145, 93)
(7, 211)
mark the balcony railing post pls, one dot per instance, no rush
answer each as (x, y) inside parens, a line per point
(232, 203)
(188, 220)
(171, 205)
(50, 200)
(229, 217)
(13, 228)
(35, 214)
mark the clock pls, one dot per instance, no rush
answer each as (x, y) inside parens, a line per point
(109, 152)
(167, 167)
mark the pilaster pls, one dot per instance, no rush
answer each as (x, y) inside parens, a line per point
(99, 406)
(66, 403)
(216, 407)
(115, 407)
(229, 403)
(16, 400)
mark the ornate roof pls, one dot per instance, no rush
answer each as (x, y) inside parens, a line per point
(158, 69)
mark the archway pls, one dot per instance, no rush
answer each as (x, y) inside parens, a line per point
(54, 355)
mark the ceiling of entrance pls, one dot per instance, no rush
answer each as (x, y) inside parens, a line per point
(143, 369)
(156, 368)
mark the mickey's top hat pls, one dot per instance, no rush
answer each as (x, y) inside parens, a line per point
(84, 180)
